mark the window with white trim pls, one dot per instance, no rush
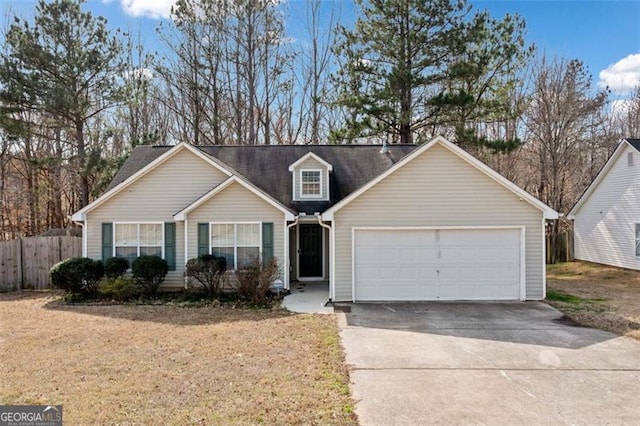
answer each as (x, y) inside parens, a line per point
(238, 243)
(310, 183)
(132, 240)
(637, 239)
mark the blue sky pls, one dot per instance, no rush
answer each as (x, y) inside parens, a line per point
(605, 34)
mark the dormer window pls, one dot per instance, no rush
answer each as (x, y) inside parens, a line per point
(310, 178)
(311, 183)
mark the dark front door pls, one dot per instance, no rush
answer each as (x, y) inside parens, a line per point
(310, 251)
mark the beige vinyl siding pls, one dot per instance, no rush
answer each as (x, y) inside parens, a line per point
(156, 197)
(311, 164)
(438, 188)
(605, 224)
(237, 204)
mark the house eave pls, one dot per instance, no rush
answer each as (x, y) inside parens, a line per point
(547, 211)
(182, 214)
(308, 155)
(596, 181)
(148, 168)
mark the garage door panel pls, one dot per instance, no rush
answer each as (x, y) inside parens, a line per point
(452, 264)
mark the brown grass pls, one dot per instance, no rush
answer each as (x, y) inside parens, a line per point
(172, 365)
(607, 297)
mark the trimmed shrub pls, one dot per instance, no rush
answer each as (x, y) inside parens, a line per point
(209, 271)
(120, 289)
(77, 275)
(149, 272)
(253, 282)
(115, 267)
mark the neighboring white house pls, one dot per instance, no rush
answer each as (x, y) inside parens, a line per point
(427, 222)
(607, 216)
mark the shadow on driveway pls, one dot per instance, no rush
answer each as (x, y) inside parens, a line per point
(533, 323)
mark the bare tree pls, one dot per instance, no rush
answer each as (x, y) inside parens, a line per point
(563, 115)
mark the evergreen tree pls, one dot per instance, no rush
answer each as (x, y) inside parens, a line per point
(64, 68)
(414, 67)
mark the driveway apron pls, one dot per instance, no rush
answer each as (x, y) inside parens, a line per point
(486, 363)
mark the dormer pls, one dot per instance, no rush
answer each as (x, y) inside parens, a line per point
(310, 175)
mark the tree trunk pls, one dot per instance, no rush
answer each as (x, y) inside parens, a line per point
(82, 163)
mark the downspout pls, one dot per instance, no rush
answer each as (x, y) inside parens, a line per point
(328, 227)
(84, 237)
(287, 257)
(185, 226)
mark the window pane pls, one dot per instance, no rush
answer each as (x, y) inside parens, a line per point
(151, 251)
(222, 235)
(129, 253)
(151, 234)
(126, 234)
(310, 176)
(227, 253)
(248, 234)
(247, 255)
(310, 182)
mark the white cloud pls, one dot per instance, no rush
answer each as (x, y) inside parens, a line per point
(150, 8)
(623, 76)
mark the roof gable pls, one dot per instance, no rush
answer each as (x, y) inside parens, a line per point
(548, 212)
(182, 214)
(624, 143)
(154, 162)
(313, 156)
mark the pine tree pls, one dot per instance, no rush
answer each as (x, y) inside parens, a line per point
(64, 67)
(414, 67)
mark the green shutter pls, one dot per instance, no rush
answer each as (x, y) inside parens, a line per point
(267, 242)
(107, 241)
(170, 245)
(203, 239)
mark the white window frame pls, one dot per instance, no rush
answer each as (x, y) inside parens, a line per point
(162, 243)
(235, 240)
(309, 196)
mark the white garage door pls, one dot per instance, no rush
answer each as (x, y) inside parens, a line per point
(448, 264)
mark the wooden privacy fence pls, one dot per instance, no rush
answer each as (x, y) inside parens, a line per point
(560, 247)
(25, 263)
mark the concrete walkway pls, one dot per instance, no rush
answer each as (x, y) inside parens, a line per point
(486, 363)
(308, 298)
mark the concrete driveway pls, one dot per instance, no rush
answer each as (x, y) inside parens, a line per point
(486, 363)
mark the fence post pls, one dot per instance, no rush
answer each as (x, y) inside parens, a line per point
(20, 268)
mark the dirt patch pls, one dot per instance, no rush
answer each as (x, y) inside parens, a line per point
(596, 295)
(172, 365)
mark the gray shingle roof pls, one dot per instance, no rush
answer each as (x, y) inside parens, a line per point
(266, 167)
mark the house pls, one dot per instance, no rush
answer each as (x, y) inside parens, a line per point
(607, 215)
(407, 222)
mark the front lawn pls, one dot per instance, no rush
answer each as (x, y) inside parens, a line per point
(127, 364)
(596, 295)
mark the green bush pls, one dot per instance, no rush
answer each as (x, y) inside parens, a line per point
(209, 271)
(120, 289)
(253, 282)
(149, 272)
(77, 275)
(115, 267)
